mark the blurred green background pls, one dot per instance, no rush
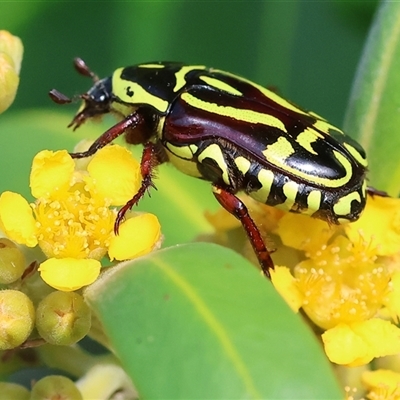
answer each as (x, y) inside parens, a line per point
(307, 50)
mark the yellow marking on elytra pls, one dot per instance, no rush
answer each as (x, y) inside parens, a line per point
(151, 66)
(343, 206)
(193, 148)
(307, 137)
(253, 117)
(216, 83)
(268, 93)
(290, 190)
(279, 151)
(181, 73)
(313, 202)
(188, 167)
(324, 126)
(214, 152)
(266, 178)
(140, 95)
(213, 323)
(327, 182)
(243, 164)
(180, 151)
(357, 156)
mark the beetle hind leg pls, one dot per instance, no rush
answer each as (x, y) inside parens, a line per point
(236, 207)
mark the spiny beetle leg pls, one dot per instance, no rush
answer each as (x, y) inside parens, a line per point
(130, 122)
(236, 207)
(149, 161)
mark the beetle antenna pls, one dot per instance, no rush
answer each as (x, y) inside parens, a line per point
(84, 70)
(59, 98)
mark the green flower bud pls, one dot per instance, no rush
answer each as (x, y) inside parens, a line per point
(55, 387)
(12, 391)
(63, 318)
(12, 261)
(17, 316)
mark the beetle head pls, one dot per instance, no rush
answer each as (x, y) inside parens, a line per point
(95, 102)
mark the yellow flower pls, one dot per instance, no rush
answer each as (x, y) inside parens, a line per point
(379, 225)
(359, 343)
(11, 50)
(345, 278)
(72, 220)
(382, 384)
(142, 230)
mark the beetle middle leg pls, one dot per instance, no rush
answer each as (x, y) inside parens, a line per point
(236, 207)
(150, 160)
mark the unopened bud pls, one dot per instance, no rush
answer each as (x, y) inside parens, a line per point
(17, 316)
(63, 318)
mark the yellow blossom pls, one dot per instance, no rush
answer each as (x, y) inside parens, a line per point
(71, 219)
(11, 50)
(302, 232)
(51, 172)
(392, 299)
(137, 236)
(68, 274)
(360, 342)
(341, 280)
(114, 166)
(287, 287)
(382, 384)
(379, 225)
(16, 218)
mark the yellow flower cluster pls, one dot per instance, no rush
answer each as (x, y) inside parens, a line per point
(347, 280)
(72, 219)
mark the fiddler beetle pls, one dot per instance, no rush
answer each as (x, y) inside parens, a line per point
(232, 132)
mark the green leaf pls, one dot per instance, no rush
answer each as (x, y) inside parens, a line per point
(373, 115)
(199, 321)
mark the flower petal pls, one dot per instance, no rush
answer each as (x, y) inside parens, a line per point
(51, 172)
(17, 219)
(382, 379)
(285, 284)
(137, 236)
(359, 343)
(379, 225)
(115, 173)
(68, 274)
(303, 232)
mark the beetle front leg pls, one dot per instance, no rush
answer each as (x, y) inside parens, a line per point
(130, 122)
(150, 160)
(236, 207)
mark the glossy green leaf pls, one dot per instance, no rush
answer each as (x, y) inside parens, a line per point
(373, 115)
(199, 321)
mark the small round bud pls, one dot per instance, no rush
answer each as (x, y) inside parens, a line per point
(12, 391)
(12, 261)
(63, 318)
(17, 318)
(55, 387)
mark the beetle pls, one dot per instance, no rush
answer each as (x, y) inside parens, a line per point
(234, 133)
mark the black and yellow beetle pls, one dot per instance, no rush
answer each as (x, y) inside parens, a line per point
(232, 132)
